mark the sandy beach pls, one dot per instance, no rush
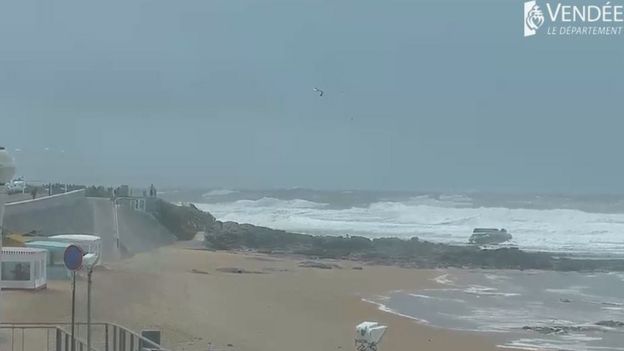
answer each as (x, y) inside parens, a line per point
(196, 300)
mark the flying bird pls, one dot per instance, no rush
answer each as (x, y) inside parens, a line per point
(319, 91)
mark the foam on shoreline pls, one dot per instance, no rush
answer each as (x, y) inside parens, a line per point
(528, 310)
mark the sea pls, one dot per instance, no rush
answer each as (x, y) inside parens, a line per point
(532, 310)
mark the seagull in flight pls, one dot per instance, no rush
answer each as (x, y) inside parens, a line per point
(319, 91)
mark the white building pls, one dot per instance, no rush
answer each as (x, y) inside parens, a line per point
(23, 268)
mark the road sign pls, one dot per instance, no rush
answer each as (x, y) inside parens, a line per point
(73, 258)
(73, 261)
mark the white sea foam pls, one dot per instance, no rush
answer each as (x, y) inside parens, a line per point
(571, 290)
(386, 309)
(618, 274)
(443, 279)
(219, 192)
(446, 219)
(549, 344)
(473, 303)
(437, 298)
(613, 309)
(420, 296)
(484, 290)
(495, 277)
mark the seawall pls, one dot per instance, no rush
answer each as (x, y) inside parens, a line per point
(73, 213)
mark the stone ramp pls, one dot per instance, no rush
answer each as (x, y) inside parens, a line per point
(104, 226)
(140, 231)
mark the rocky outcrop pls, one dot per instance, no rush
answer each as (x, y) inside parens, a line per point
(565, 329)
(184, 221)
(611, 324)
(187, 220)
(489, 236)
(232, 235)
(559, 329)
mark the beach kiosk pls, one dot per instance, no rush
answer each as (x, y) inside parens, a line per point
(23, 268)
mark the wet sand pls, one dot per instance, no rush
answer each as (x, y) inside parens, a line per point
(196, 298)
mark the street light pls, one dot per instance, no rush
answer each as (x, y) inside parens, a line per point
(7, 167)
(7, 171)
(89, 260)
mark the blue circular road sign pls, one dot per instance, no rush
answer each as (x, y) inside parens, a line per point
(73, 257)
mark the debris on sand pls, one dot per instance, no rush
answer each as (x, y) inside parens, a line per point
(237, 270)
(275, 269)
(263, 259)
(198, 271)
(321, 265)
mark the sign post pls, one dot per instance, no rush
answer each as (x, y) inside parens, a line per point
(73, 261)
(90, 260)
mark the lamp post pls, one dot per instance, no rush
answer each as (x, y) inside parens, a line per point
(72, 257)
(7, 171)
(116, 220)
(90, 260)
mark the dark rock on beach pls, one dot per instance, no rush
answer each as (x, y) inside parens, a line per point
(560, 329)
(317, 264)
(489, 236)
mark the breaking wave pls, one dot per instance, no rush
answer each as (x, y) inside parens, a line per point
(445, 219)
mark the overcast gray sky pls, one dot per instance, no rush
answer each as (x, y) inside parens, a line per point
(419, 95)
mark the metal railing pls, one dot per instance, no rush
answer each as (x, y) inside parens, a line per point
(55, 337)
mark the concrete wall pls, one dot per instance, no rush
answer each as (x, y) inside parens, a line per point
(72, 213)
(44, 203)
(58, 214)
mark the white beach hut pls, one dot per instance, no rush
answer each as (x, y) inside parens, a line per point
(23, 268)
